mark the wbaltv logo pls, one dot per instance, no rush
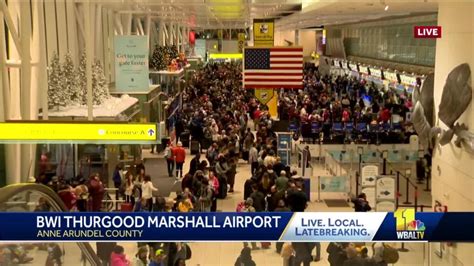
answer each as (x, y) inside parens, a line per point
(408, 228)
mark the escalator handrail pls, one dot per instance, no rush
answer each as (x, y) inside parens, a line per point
(55, 202)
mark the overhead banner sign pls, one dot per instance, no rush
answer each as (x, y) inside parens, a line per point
(401, 225)
(263, 32)
(131, 63)
(78, 132)
(264, 95)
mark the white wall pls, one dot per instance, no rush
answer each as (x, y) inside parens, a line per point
(308, 41)
(453, 168)
(281, 36)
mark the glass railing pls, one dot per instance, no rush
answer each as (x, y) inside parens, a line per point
(34, 197)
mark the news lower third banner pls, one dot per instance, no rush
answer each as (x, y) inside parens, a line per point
(403, 225)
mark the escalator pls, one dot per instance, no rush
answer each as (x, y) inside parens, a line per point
(28, 198)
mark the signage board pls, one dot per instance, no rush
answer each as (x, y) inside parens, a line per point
(376, 73)
(364, 70)
(390, 76)
(370, 193)
(131, 63)
(263, 32)
(78, 132)
(334, 183)
(264, 95)
(369, 175)
(385, 188)
(408, 79)
(353, 67)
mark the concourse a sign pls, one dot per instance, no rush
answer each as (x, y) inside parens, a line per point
(39, 132)
(263, 32)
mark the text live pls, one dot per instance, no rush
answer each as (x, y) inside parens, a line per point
(427, 31)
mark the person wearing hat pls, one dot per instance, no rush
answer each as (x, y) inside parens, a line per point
(159, 258)
(141, 258)
(179, 155)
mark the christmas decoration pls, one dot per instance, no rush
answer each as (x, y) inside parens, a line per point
(173, 66)
(162, 56)
(81, 80)
(69, 80)
(182, 61)
(100, 88)
(57, 96)
(158, 61)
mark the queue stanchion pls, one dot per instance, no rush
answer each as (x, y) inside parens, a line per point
(403, 248)
(416, 198)
(398, 191)
(407, 191)
(428, 177)
(319, 189)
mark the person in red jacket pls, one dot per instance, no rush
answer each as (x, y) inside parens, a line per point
(96, 191)
(179, 155)
(68, 196)
(118, 258)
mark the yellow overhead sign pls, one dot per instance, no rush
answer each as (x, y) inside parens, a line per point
(263, 32)
(78, 132)
(225, 56)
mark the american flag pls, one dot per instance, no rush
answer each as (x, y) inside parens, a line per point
(278, 67)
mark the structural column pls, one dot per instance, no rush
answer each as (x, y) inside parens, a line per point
(452, 168)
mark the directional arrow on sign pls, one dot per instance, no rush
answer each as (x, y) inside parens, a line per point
(151, 132)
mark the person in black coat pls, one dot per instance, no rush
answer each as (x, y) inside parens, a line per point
(245, 258)
(336, 253)
(296, 198)
(258, 199)
(194, 164)
(361, 204)
(302, 253)
(248, 186)
(104, 250)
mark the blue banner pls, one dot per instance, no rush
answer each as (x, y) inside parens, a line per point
(131, 63)
(402, 225)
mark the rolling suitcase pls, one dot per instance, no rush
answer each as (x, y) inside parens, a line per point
(222, 188)
(194, 147)
(126, 207)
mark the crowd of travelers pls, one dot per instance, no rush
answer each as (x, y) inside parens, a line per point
(233, 127)
(333, 105)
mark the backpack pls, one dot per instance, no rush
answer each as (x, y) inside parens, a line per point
(169, 153)
(390, 254)
(189, 253)
(240, 207)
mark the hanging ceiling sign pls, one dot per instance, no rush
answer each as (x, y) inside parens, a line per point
(131, 63)
(263, 32)
(264, 95)
(39, 132)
